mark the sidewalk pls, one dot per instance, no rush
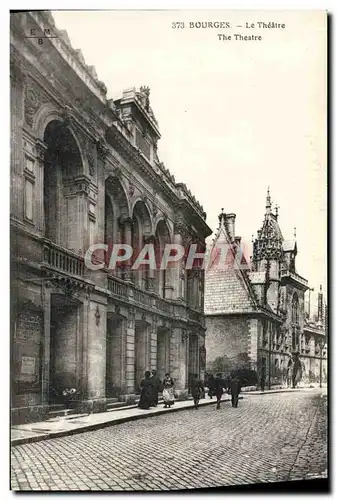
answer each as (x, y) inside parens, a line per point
(74, 424)
(64, 426)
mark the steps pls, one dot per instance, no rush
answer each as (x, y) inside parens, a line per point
(114, 403)
(59, 410)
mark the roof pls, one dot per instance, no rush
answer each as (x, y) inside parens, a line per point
(227, 288)
(226, 291)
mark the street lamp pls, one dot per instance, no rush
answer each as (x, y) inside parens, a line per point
(322, 346)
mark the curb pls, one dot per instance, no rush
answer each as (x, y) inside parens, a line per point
(102, 425)
(265, 393)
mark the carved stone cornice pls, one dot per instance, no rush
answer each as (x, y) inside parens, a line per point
(69, 286)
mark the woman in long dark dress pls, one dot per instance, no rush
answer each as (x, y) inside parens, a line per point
(146, 392)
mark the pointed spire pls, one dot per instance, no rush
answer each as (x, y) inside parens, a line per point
(276, 211)
(268, 202)
(295, 233)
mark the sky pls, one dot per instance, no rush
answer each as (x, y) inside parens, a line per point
(235, 116)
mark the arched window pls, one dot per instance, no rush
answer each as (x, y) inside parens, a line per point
(294, 309)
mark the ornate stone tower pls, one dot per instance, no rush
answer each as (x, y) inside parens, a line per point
(267, 256)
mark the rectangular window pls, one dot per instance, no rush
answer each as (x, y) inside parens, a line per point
(29, 192)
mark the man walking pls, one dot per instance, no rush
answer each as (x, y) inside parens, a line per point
(196, 390)
(210, 385)
(235, 391)
(218, 389)
(263, 381)
(156, 384)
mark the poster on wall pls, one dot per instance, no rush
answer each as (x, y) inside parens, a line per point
(28, 365)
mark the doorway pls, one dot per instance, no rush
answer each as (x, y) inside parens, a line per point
(64, 338)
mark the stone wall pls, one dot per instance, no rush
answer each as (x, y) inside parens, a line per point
(227, 336)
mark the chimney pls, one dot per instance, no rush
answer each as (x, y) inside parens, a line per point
(230, 220)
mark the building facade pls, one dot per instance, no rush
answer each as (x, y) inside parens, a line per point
(255, 311)
(85, 171)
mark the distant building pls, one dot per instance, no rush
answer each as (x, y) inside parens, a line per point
(255, 313)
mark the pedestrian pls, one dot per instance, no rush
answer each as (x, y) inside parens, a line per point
(196, 390)
(156, 384)
(210, 385)
(218, 389)
(146, 392)
(235, 387)
(227, 385)
(263, 381)
(168, 393)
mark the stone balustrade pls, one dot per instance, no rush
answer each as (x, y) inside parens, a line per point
(63, 260)
(117, 287)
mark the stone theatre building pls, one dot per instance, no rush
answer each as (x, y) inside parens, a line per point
(255, 312)
(85, 170)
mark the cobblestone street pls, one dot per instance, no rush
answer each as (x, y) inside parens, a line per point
(274, 437)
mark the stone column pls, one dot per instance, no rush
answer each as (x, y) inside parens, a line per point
(178, 271)
(202, 356)
(130, 353)
(184, 359)
(17, 120)
(195, 286)
(96, 355)
(193, 354)
(46, 343)
(85, 333)
(126, 224)
(149, 273)
(39, 191)
(154, 344)
(178, 358)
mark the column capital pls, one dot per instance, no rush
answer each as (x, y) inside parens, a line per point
(125, 221)
(149, 239)
(40, 148)
(181, 228)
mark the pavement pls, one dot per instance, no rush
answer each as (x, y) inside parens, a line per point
(268, 438)
(74, 424)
